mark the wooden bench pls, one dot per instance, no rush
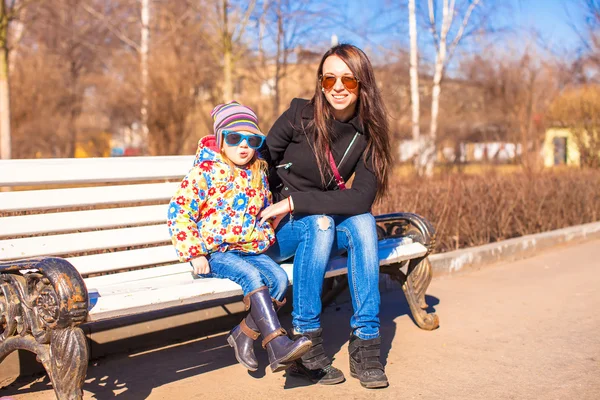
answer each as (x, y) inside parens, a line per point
(85, 240)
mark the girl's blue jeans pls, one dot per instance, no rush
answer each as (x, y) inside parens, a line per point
(250, 271)
(312, 240)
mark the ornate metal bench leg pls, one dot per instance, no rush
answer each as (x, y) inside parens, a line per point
(40, 312)
(414, 288)
(68, 362)
(419, 275)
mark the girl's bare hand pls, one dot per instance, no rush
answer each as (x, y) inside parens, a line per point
(201, 265)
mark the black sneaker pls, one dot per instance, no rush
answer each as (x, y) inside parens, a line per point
(315, 365)
(364, 362)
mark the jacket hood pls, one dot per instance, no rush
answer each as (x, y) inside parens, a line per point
(207, 150)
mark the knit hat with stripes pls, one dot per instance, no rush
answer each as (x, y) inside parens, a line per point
(234, 116)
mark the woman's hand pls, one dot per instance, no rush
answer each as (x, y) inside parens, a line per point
(277, 210)
(200, 265)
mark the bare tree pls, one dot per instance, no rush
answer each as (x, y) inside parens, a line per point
(232, 20)
(142, 47)
(10, 12)
(414, 77)
(587, 27)
(516, 94)
(71, 35)
(414, 70)
(445, 45)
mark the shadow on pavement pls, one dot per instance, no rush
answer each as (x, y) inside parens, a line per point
(122, 377)
(336, 329)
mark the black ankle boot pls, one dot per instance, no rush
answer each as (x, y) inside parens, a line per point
(315, 365)
(280, 349)
(364, 362)
(242, 338)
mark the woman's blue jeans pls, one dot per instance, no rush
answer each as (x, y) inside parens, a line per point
(313, 240)
(250, 271)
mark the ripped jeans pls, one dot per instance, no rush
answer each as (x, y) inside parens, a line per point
(312, 240)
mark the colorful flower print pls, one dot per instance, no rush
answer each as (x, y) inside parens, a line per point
(194, 251)
(181, 236)
(206, 166)
(173, 210)
(226, 221)
(239, 202)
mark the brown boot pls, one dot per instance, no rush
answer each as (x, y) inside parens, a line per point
(280, 348)
(242, 338)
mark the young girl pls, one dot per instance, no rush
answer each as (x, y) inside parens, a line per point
(214, 225)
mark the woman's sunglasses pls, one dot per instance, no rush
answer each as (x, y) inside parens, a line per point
(349, 82)
(233, 138)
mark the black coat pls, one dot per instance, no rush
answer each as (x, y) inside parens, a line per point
(293, 166)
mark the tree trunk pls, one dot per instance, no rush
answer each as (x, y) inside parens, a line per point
(227, 57)
(429, 149)
(278, 66)
(144, 45)
(5, 144)
(414, 71)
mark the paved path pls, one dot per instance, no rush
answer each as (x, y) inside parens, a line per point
(524, 330)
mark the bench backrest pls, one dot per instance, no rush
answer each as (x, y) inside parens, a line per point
(102, 214)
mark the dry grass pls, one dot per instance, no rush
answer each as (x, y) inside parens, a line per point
(471, 210)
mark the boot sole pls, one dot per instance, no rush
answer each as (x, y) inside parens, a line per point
(286, 362)
(231, 342)
(371, 385)
(332, 381)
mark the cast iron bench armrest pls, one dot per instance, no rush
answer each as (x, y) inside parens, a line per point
(41, 311)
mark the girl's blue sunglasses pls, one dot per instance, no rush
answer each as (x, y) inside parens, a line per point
(233, 138)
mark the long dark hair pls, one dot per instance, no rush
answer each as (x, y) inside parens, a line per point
(371, 113)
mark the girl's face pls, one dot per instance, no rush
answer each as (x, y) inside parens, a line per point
(342, 100)
(240, 154)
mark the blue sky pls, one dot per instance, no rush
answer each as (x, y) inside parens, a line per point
(373, 24)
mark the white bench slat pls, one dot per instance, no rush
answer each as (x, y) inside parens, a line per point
(87, 196)
(84, 241)
(121, 260)
(110, 284)
(176, 286)
(87, 170)
(390, 251)
(81, 220)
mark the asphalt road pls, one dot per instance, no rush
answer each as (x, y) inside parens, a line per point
(523, 330)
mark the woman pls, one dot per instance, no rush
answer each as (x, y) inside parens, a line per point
(314, 147)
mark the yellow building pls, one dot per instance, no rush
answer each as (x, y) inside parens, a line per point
(560, 148)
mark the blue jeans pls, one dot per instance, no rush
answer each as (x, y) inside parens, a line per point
(250, 271)
(312, 240)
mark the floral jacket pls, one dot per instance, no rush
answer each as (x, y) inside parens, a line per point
(215, 208)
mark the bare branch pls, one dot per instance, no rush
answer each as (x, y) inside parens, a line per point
(464, 24)
(114, 30)
(244, 23)
(432, 25)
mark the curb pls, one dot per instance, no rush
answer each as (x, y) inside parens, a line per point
(446, 264)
